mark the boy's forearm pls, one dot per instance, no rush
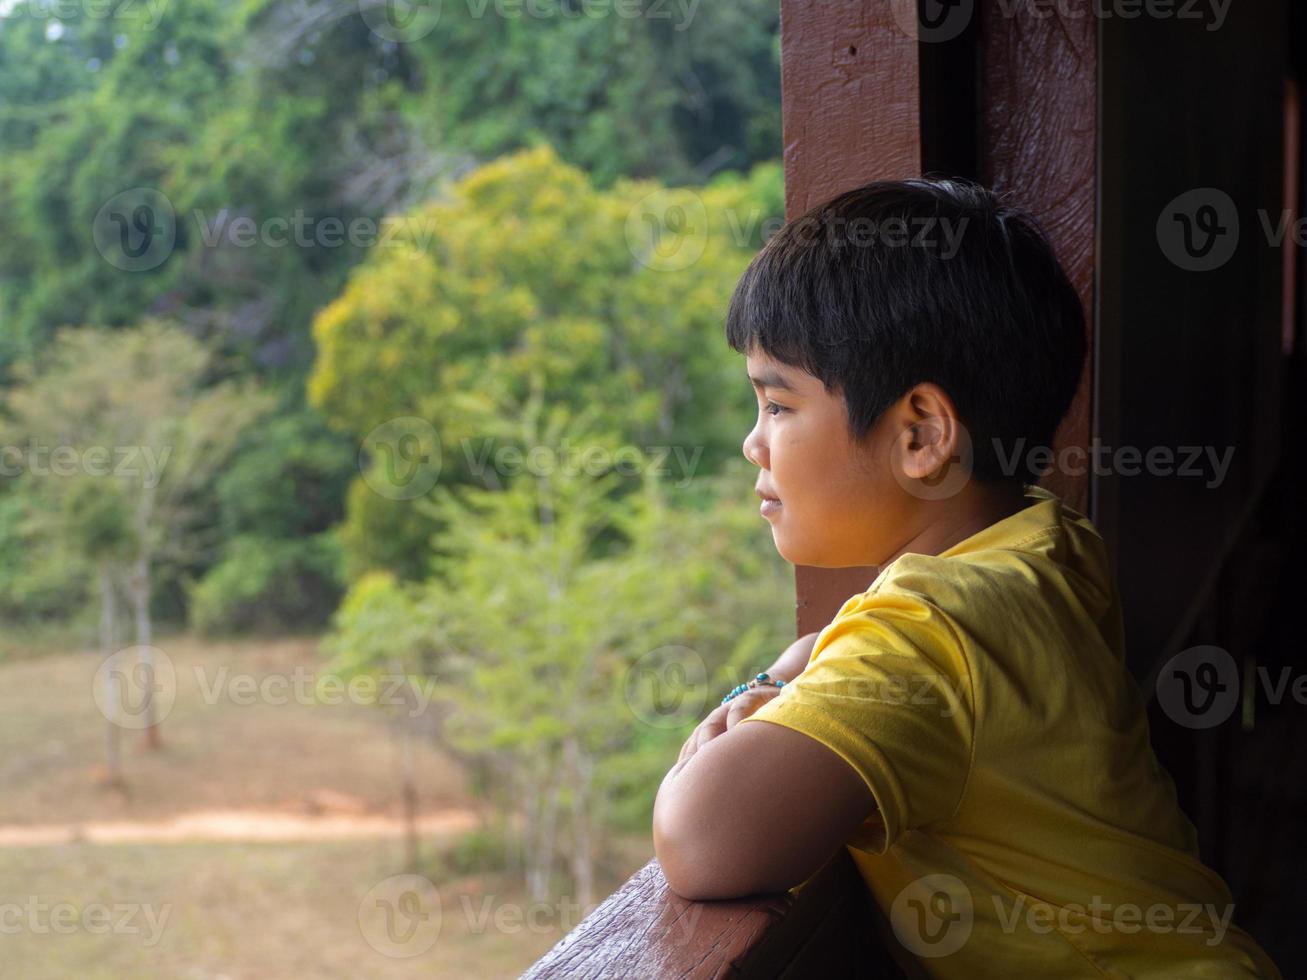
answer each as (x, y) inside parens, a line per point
(788, 665)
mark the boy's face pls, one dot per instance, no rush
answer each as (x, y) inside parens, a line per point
(839, 502)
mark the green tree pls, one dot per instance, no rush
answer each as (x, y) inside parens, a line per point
(676, 93)
(525, 269)
(263, 109)
(130, 411)
(278, 501)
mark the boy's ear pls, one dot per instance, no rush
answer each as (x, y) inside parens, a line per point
(933, 448)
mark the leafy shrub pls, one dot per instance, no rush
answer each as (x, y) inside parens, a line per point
(269, 585)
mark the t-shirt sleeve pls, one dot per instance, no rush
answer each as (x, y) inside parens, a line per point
(888, 688)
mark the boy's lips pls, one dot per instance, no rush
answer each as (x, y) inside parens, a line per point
(770, 504)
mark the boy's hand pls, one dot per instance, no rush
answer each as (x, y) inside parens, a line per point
(727, 716)
(743, 705)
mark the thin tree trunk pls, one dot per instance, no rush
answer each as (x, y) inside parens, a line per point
(579, 770)
(408, 778)
(540, 853)
(144, 639)
(108, 638)
(531, 813)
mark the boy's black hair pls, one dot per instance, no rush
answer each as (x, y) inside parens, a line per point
(873, 292)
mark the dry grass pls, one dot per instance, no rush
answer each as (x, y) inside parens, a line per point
(254, 911)
(225, 755)
(236, 909)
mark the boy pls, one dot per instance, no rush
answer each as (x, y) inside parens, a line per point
(966, 726)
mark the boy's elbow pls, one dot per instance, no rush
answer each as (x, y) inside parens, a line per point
(682, 884)
(698, 870)
(693, 881)
(677, 867)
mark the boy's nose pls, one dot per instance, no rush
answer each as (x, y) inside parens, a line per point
(754, 450)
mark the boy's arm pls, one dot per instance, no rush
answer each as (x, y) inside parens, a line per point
(756, 808)
(760, 808)
(791, 662)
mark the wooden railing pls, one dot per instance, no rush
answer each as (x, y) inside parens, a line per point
(643, 930)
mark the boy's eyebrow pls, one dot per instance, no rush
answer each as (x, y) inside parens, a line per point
(772, 379)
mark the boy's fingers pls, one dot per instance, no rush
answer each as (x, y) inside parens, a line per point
(711, 727)
(708, 729)
(685, 749)
(749, 702)
(726, 716)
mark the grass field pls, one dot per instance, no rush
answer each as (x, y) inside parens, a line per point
(207, 908)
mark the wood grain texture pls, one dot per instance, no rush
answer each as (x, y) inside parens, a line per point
(645, 930)
(850, 99)
(821, 929)
(1038, 141)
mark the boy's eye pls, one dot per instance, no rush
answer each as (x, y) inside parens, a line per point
(778, 408)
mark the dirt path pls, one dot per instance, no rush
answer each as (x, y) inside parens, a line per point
(232, 825)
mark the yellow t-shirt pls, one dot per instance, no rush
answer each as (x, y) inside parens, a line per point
(1024, 827)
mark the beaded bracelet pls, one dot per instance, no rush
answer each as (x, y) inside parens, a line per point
(762, 680)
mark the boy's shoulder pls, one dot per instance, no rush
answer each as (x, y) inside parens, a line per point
(1047, 552)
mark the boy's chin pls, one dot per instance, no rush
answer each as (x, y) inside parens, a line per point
(812, 556)
(796, 553)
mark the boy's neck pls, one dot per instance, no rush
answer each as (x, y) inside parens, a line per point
(958, 518)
